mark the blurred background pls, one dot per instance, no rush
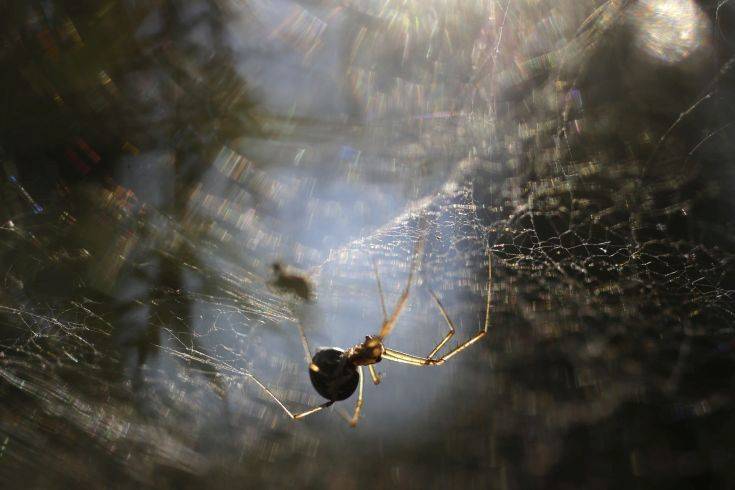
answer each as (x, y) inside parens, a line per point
(158, 156)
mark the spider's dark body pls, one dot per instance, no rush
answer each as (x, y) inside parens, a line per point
(333, 375)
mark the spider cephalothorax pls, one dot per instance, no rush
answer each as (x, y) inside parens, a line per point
(369, 352)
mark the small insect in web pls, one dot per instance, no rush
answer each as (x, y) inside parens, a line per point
(336, 373)
(291, 282)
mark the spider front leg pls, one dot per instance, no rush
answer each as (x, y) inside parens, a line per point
(402, 357)
(429, 360)
(389, 322)
(447, 319)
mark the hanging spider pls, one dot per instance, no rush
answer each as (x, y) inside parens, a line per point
(336, 373)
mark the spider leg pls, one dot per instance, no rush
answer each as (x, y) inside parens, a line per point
(401, 303)
(352, 420)
(301, 415)
(402, 357)
(462, 346)
(374, 374)
(201, 357)
(380, 291)
(450, 323)
(360, 401)
(304, 342)
(291, 415)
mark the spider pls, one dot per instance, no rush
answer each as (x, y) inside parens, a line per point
(336, 373)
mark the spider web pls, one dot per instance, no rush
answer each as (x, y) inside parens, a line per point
(135, 309)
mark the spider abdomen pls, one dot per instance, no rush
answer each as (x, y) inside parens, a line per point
(332, 374)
